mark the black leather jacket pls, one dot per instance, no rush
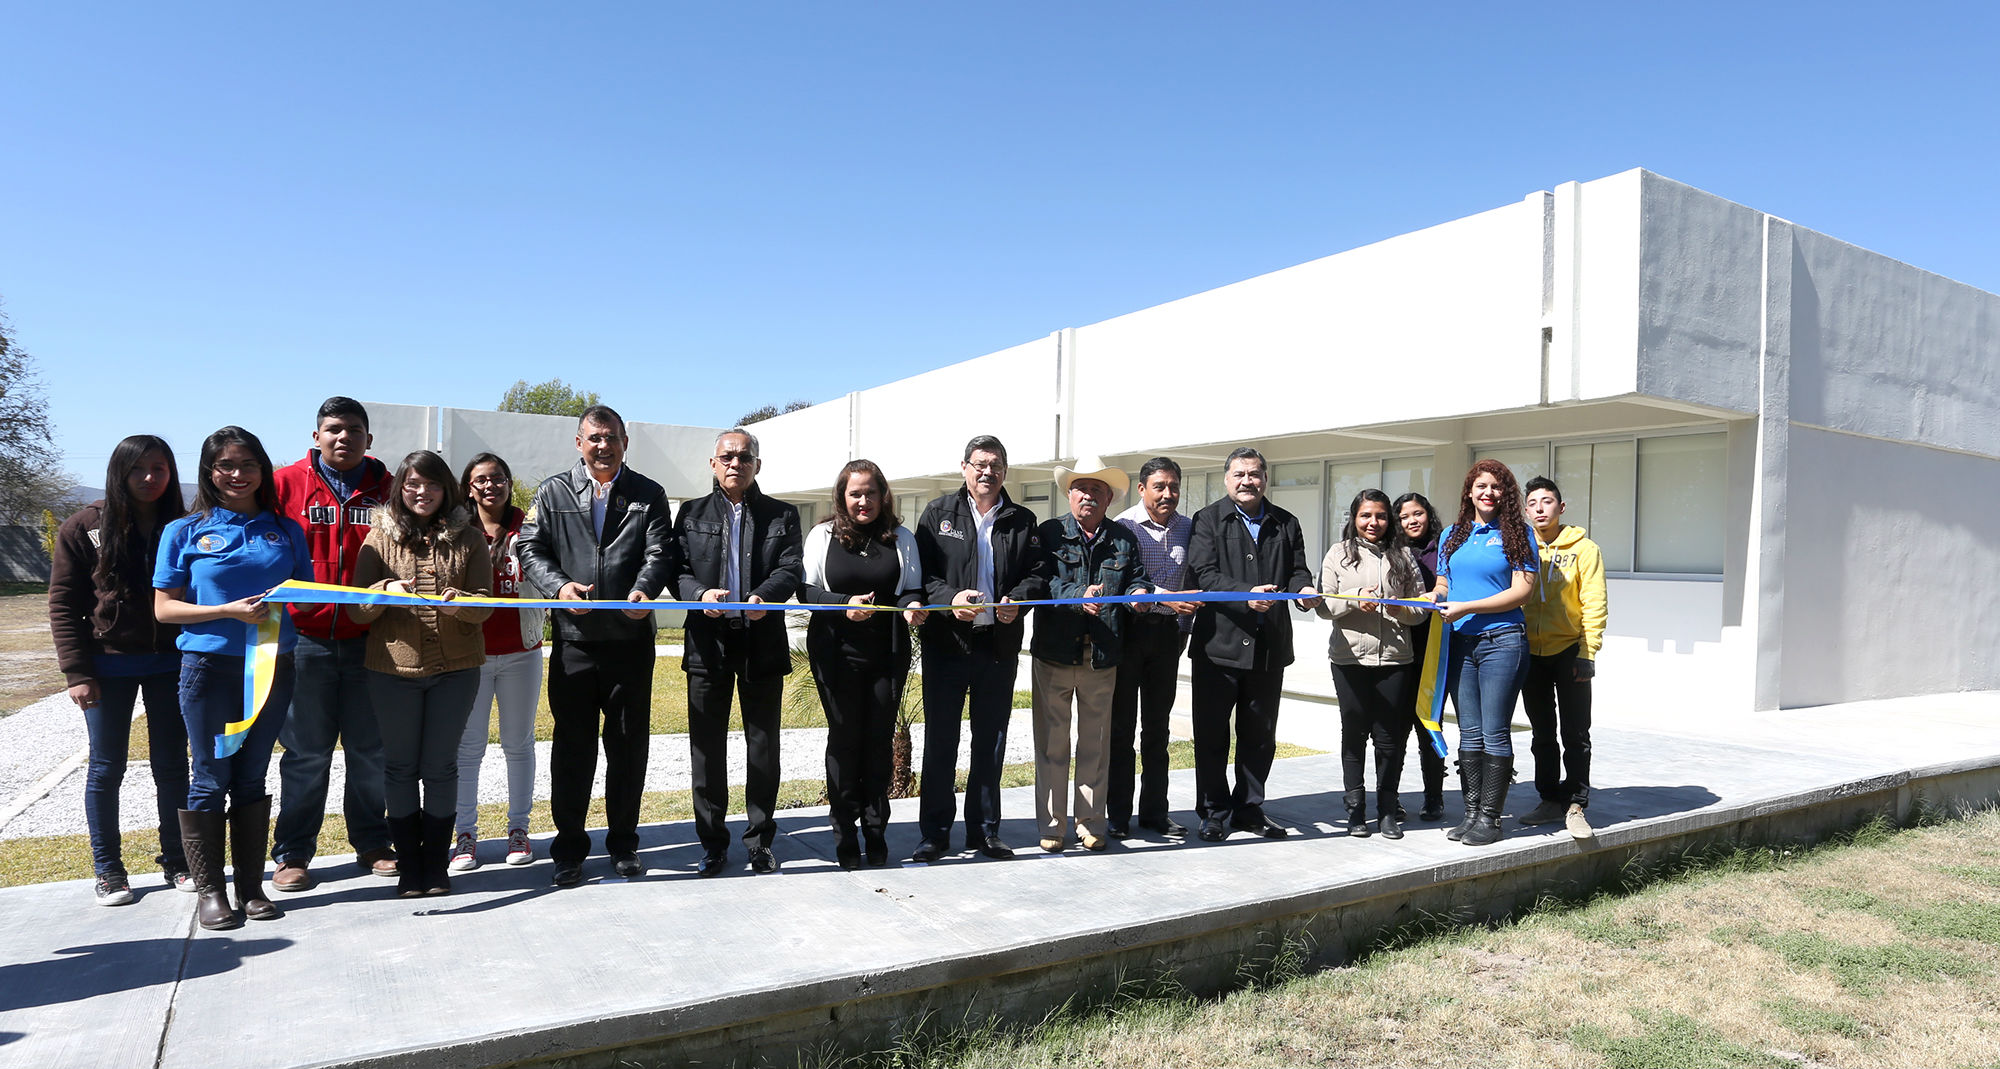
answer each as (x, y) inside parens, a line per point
(1222, 557)
(558, 545)
(772, 567)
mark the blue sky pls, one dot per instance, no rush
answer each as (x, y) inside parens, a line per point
(218, 214)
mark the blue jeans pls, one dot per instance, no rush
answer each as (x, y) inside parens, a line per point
(109, 725)
(1484, 678)
(212, 698)
(332, 705)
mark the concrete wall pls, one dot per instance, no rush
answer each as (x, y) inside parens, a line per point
(399, 430)
(1700, 296)
(1890, 572)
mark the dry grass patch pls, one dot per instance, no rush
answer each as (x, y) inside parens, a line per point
(1882, 948)
(28, 670)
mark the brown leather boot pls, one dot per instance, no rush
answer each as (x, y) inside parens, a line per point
(249, 841)
(201, 837)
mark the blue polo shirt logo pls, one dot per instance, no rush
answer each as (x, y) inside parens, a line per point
(209, 543)
(273, 537)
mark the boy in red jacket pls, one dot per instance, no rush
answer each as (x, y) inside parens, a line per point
(332, 493)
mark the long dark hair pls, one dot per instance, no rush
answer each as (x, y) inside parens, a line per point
(883, 529)
(1513, 525)
(407, 526)
(1403, 573)
(1431, 524)
(206, 500)
(119, 527)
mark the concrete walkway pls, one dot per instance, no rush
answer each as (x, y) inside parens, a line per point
(509, 969)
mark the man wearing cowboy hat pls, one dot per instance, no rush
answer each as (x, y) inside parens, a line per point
(1076, 651)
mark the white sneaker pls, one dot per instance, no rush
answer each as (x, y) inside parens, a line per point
(465, 852)
(113, 890)
(519, 850)
(1578, 824)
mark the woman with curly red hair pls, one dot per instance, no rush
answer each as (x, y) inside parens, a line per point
(1487, 562)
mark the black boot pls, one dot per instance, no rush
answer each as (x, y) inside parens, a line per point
(1356, 799)
(1495, 778)
(406, 835)
(436, 859)
(846, 847)
(876, 846)
(1469, 767)
(201, 837)
(249, 842)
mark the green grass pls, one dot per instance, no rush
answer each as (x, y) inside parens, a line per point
(1666, 1038)
(1864, 969)
(1630, 934)
(1809, 1020)
(1981, 874)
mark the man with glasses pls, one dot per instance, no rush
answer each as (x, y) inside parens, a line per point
(977, 548)
(1241, 648)
(736, 545)
(599, 532)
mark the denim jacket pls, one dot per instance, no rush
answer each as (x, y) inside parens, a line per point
(1112, 559)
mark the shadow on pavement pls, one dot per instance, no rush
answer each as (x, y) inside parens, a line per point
(107, 968)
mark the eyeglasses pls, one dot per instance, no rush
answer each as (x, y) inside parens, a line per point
(986, 465)
(731, 459)
(245, 468)
(490, 480)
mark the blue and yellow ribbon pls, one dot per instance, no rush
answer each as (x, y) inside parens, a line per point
(260, 668)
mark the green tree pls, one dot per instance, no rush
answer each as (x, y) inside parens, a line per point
(767, 411)
(552, 398)
(32, 478)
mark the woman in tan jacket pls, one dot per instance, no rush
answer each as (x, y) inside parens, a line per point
(1373, 660)
(423, 663)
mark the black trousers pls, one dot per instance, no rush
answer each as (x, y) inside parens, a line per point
(950, 678)
(1251, 696)
(860, 698)
(1558, 707)
(1428, 761)
(587, 680)
(1374, 707)
(708, 745)
(1148, 671)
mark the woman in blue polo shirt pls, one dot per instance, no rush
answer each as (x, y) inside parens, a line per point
(214, 567)
(1487, 562)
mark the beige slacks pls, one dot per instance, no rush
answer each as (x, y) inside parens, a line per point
(1058, 690)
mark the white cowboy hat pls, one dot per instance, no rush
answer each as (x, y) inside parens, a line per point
(1093, 468)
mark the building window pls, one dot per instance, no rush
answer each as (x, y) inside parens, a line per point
(1295, 488)
(1039, 498)
(1394, 476)
(1651, 504)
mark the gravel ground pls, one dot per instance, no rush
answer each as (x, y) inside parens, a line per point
(37, 739)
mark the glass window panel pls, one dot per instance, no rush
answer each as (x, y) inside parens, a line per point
(1406, 475)
(1612, 502)
(1211, 488)
(1295, 488)
(1525, 461)
(1572, 474)
(1344, 479)
(1040, 499)
(1683, 488)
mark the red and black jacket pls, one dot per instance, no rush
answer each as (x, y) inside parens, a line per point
(335, 530)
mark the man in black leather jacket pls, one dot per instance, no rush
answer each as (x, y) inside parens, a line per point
(599, 532)
(736, 545)
(977, 546)
(1241, 648)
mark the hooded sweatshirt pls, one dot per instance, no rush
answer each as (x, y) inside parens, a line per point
(335, 527)
(1568, 608)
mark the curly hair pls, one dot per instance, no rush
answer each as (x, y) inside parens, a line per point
(1508, 517)
(845, 530)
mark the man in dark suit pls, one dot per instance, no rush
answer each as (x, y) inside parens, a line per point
(977, 547)
(1241, 648)
(736, 545)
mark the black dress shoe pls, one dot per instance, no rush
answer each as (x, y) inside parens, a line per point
(1212, 830)
(627, 865)
(847, 857)
(1166, 826)
(926, 852)
(992, 847)
(568, 874)
(762, 861)
(712, 863)
(1118, 829)
(1392, 825)
(1260, 826)
(1357, 823)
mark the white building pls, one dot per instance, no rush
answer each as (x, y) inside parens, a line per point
(1787, 446)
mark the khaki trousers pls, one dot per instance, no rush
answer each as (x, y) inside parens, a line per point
(1058, 689)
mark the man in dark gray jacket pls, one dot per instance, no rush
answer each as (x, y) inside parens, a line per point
(599, 532)
(736, 545)
(1241, 648)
